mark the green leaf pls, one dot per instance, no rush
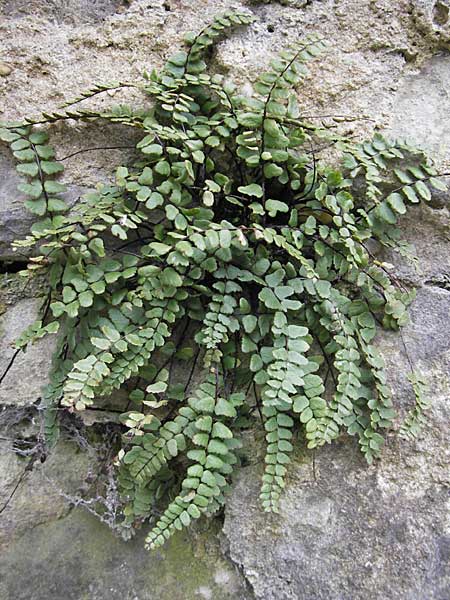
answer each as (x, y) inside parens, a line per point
(38, 137)
(396, 202)
(423, 190)
(272, 128)
(37, 207)
(20, 144)
(198, 156)
(30, 169)
(8, 136)
(323, 288)
(51, 167)
(45, 152)
(157, 388)
(402, 176)
(54, 187)
(272, 170)
(25, 155)
(253, 189)
(249, 322)
(152, 151)
(250, 120)
(256, 363)
(162, 167)
(300, 403)
(171, 278)
(119, 232)
(297, 331)
(410, 194)
(101, 343)
(208, 198)
(434, 181)
(160, 249)
(178, 59)
(68, 294)
(384, 213)
(221, 431)
(274, 206)
(146, 177)
(225, 408)
(34, 190)
(217, 447)
(112, 334)
(56, 205)
(268, 298)
(86, 299)
(204, 423)
(172, 447)
(97, 246)
(274, 279)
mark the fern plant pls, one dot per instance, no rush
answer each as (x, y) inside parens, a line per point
(231, 245)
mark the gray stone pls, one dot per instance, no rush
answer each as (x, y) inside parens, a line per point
(31, 497)
(426, 230)
(15, 222)
(23, 381)
(70, 11)
(421, 107)
(78, 558)
(345, 531)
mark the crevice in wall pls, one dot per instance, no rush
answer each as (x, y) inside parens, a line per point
(226, 551)
(441, 282)
(12, 266)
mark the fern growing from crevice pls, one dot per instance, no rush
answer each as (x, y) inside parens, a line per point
(231, 228)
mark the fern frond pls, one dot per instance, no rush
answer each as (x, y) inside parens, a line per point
(228, 249)
(416, 419)
(212, 456)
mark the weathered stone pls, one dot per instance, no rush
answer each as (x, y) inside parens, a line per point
(421, 107)
(427, 231)
(354, 532)
(32, 497)
(14, 225)
(70, 11)
(433, 18)
(24, 375)
(78, 558)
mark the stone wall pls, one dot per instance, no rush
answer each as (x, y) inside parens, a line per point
(346, 531)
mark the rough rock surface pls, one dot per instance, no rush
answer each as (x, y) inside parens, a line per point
(37, 499)
(433, 18)
(346, 531)
(77, 558)
(22, 382)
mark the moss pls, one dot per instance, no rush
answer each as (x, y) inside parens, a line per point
(79, 558)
